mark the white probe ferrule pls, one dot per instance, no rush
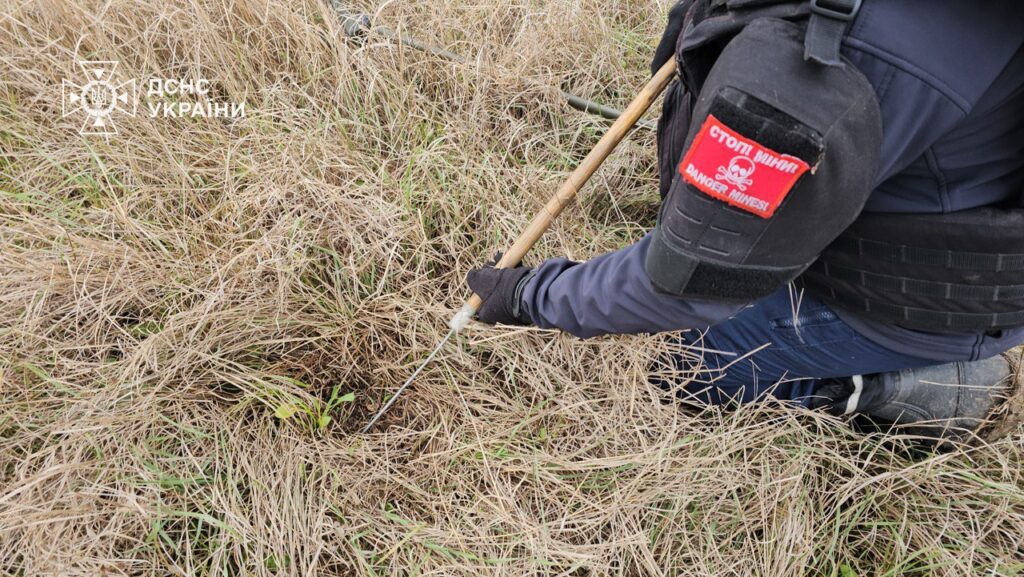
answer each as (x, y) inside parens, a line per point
(461, 318)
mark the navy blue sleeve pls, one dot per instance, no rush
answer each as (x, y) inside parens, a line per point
(931, 64)
(612, 294)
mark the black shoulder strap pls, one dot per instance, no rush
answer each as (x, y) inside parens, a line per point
(826, 28)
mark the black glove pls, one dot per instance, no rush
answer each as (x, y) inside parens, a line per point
(667, 46)
(500, 289)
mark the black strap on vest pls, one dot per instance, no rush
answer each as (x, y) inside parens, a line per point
(826, 28)
(910, 255)
(934, 286)
(913, 287)
(924, 319)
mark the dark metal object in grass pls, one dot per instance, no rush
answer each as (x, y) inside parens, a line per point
(358, 26)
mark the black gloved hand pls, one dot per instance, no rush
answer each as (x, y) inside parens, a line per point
(667, 46)
(500, 289)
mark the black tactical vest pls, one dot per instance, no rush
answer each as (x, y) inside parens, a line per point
(955, 272)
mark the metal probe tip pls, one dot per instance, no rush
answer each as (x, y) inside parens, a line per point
(391, 401)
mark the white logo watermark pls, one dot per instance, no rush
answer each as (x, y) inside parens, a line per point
(100, 97)
(200, 87)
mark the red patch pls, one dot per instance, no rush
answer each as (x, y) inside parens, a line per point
(737, 170)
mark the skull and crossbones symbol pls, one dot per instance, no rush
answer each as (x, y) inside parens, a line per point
(738, 173)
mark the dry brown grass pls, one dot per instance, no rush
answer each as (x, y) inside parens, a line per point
(165, 292)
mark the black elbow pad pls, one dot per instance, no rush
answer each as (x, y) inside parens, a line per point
(780, 157)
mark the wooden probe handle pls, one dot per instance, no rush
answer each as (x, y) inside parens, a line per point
(583, 172)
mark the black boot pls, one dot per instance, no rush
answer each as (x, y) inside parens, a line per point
(942, 402)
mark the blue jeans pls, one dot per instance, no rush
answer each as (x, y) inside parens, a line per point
(766, 349)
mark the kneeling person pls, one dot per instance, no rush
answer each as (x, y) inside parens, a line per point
(845, 187)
